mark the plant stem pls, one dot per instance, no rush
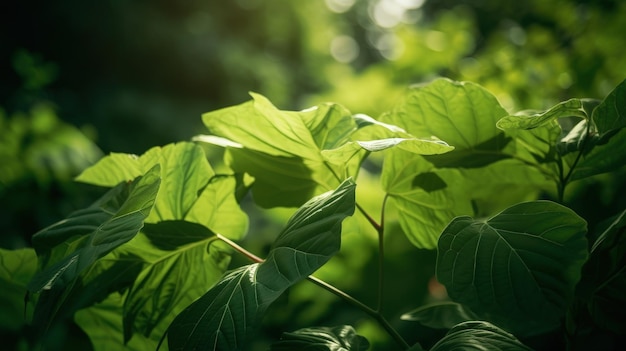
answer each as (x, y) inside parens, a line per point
(337, 292)
(369, 218)
(371, 312)
(381, 257)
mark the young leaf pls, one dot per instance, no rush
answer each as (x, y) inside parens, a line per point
(93, 232)
(222, 318)
(531, 119)
(604, 152)
(340, 338)
(518, 268)
(479, 336)
(282, 149)
(444, 315)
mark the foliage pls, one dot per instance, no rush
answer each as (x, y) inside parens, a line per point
(146, 266)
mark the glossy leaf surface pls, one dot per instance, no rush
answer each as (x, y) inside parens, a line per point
(444, 315)
(479, 336)
(519, 267)
(341, 338)
(222, 318)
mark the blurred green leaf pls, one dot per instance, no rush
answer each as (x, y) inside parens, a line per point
(518, 268)
(223, 317)
(341, 338)
(17, 268)
(479, 336)
(443, 315)
(90, 234)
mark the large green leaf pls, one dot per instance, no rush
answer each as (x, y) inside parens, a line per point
(17, 267)
(482, 174)
(282, 149)
(222, 318)
(479, 336)
(341, 338)
(68, 247)
(518, 268)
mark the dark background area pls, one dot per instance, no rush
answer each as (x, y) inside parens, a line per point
(80, 79)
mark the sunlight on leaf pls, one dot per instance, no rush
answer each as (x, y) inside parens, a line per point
(341, 338)
(443, 315)
(222, 318)
(531, 119)
(519, 267)
(479, 336)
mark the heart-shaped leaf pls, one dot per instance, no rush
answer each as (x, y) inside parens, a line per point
(518, 268)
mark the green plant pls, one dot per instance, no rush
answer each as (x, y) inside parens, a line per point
(143, 267)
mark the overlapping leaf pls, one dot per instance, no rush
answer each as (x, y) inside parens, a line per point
(518, 268)
(443, 315)
(533, 119)
(428, 191)
(92, 233)
(479, 336)
(221, 319)
(341, 338)
(177, 251)
(17, 267)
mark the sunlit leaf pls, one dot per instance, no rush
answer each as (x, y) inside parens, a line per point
(341, 338)
(443, 315)
(532, 119)
(93, 232)
(428, 191)
(221, 319)
(282, 149)
(479, 336)
(519, 267)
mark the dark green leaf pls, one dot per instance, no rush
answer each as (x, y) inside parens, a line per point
(444, 315)
(221, 319)
(479, 336)
(93, 232)
(603, 280)
(341, 338)
(17, 267)
(518, 268)
(532, 119)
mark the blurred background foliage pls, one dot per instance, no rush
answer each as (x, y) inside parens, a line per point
(80, 79)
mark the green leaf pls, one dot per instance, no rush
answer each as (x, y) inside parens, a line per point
(103, 325)
(282, 150)
(188, 262)
(92, 233)
(518, 268)
(443, 315)
(479, 336)
(428, 191)
(603, 279)
(532, 119)
(604, 151)
(17, 267)
(340, 338)
(221, 319)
